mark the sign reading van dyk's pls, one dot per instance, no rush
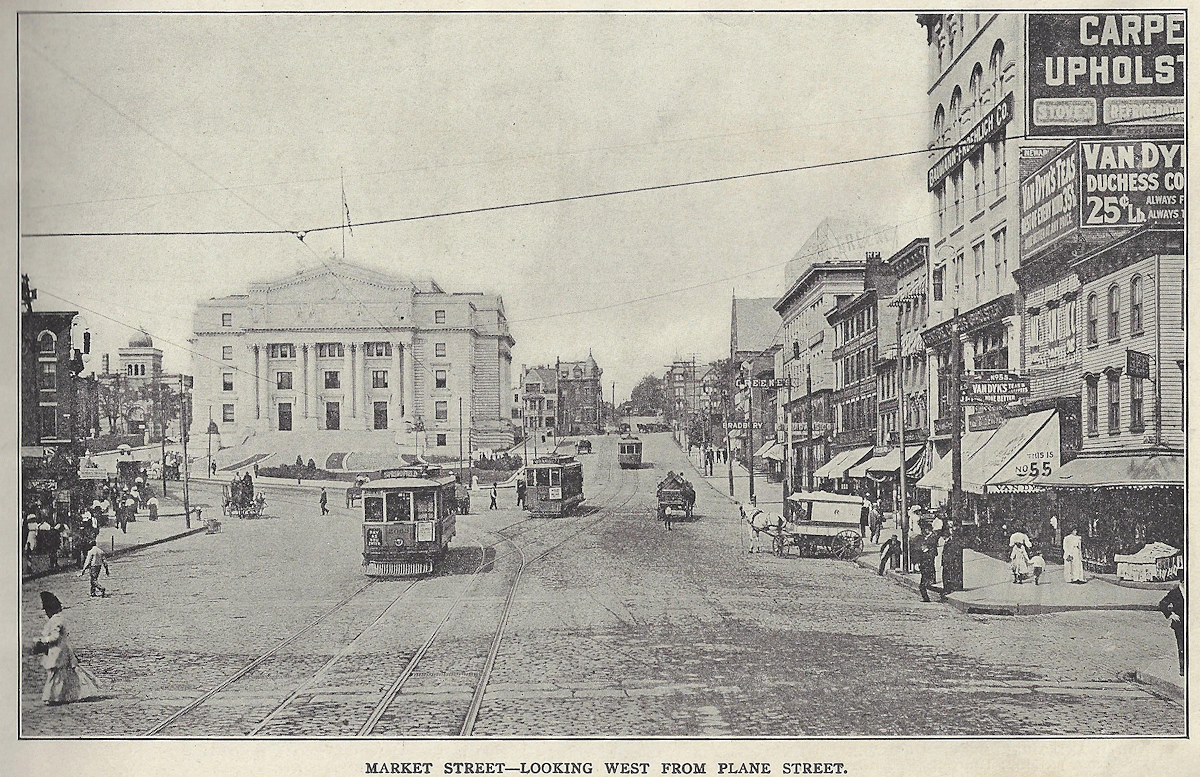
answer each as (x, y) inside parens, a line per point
(1050, 202)
(1130, 183)
(1105, 74)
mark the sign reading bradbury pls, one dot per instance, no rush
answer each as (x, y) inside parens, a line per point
(1050, 202)
(971, 142)
(1105, 75)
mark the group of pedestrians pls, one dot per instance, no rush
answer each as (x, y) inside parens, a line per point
(710, 457)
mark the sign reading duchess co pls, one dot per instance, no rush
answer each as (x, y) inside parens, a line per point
(972, 142)
(1128, 183)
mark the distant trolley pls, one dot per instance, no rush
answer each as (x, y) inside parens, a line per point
(408, 520)
(555, 485)
(583, 446)
(629, 453)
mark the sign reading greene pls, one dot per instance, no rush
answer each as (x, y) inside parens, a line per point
(1050, 202)
(1105, 75)
(971, 142)
(1127, 183)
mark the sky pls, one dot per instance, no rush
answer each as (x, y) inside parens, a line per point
(242, 122)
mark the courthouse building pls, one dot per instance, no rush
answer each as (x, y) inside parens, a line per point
(346, 359)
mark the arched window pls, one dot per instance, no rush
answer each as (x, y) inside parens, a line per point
(1093, 326)
(955, 106)
(1114, 312)
(1135, 305)
(976, 86)
(46, 342)
(939, 123)
(996, 72)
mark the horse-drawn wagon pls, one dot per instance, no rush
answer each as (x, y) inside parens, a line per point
(675, 494)
(820, 523)
(242, 502)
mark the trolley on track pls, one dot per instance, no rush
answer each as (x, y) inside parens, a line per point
(629, 453)
(408, 520)
(821, 523)
(583, 446)
(555, 485)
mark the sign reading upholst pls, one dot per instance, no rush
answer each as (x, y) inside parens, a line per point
(972, 142)
(1105, 75)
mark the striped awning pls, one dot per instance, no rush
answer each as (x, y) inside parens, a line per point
(836, 467)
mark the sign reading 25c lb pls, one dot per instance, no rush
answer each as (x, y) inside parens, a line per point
(1128, 183)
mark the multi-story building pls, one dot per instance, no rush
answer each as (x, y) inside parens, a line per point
(902, 351)
(580, 396)
(681, 390)
(354, 359)
(754, 340)
(539, 399)
(139, 398)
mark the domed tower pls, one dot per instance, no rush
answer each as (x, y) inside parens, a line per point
(140, 359)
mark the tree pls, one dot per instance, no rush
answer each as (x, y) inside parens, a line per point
(116, 398)
(648, 396)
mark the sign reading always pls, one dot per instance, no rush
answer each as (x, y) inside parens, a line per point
(1050, 202)
(1137, 364)
(1127, 183)
(1105, 75)
(971, 142)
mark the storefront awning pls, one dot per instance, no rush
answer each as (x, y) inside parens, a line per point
(766, 446)
(1154, 470)
(775, 453)
(836, 467)
(940, 476)
(888, 463)
(1023, 450)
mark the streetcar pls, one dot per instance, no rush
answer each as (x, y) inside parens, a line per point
(408, 520)
(583, 446)
(629, 453)
(555, 485)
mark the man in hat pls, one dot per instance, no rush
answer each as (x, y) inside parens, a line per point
(916, 517)
(1172, 608)
(324, 502)
(92, 565)
(926, 561)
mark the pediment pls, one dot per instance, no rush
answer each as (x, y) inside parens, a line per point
(331, 298)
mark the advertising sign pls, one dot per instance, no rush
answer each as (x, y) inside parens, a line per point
(981, 133)
(1137, 364)
(1105, 75)
(1127, 183)
(1050, 202)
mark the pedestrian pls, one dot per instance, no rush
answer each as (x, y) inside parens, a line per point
(493, 505)
(66, 680)
(212, 468)
(1038, 565)
(1018, 562)
(54, 540)
(521, 493)
(864, 518)
(952, 560)
(92, 565)
(927, 555)
(248, 486)
(889, 553)
(256, 470)
(1073, 557)
(874, 520)
(1172, 609)
(126, 514)
(152, 505)
(324, 502)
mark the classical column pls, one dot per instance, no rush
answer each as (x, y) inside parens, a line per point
(347, 368)
(314, 395)
(301, 382)
(409, 378)
(259, 381)
(395, 387)
(364, 377)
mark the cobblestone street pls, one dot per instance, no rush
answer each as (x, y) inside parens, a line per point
(616, 627)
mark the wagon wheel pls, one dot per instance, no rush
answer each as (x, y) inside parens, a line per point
(846, 545)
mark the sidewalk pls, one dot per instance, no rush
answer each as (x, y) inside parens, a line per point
(1163, 675)
(768, 494)
(991, 591)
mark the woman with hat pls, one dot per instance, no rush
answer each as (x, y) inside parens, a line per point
(66, 680)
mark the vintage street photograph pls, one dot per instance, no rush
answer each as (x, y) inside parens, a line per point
(626, 375)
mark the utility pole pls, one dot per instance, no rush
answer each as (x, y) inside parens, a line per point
(162, 415)
(809, 459)
(460, 432)
(750, 429)
(956, 419)
(787, 451)
(903, 514)
(183, 426)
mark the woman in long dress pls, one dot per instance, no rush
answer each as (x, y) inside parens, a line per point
(1019, 562)
(66, 680)
(1073, 558)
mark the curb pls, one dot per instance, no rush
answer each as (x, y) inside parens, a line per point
(1159, 684)
(122, 552)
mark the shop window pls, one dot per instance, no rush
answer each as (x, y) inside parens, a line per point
(227, 414)
(1135, 305)
(439, 379)
(1114, 402)
(333, 379)
(283, 380)
(1137, 420)
(441, 410)
(1114, 312)
(1093, 405)
(1093, 323)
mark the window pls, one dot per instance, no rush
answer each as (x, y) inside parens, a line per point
(549, 404)
(379, 379)
(1114, 312)
(227, 413)
(439, 379)
(959, 184)
(941, 199)
(49, 377)
(227, 381)
(973, 91)
(226, 319)
(939, 279)
(550, 421)
(977, 180)
(1114, 402)
(441, 441)
(46, 342)
(227, 352)
(441, 410)
(959, 261)
(1000, 166)
(996, 72)
(1000, 255)
(439, 316)
(980, 276)
(1093, 325)
(939, 124)
(439, 349)
(331, 350)
(381, 415)
(333, 379)
(1135, 305)
(281, 351)
(377, 349)
(955, 108)
(1137, 421)
(283, 380)
(333, 415)
(48, 421)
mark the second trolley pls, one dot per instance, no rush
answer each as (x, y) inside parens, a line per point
(555, 485)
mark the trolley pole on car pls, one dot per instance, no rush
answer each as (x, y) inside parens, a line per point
(902, 515)
(956, 419)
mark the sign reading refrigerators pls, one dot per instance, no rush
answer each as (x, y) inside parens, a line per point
(1105, 75)
(1129, 183)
